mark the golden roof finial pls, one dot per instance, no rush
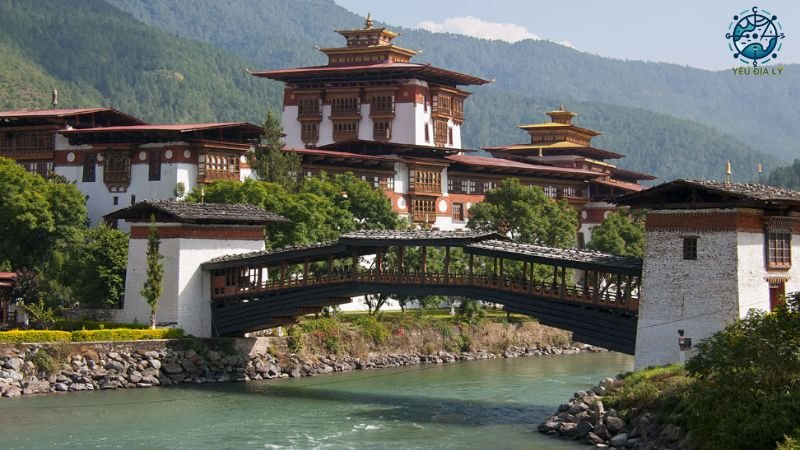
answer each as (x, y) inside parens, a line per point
(562, 107)
(368, 21)
(728, 171)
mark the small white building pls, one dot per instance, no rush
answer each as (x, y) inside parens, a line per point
(190, 234)
(713, 251)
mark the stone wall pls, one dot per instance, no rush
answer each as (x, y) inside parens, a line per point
(69, 367)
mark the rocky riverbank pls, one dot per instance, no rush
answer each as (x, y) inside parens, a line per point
(44, 368)
(584, 418)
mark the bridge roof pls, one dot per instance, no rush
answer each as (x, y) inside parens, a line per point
(567, 257)
(475, 242)
(373, 238)
(701, 194)
(200, 213)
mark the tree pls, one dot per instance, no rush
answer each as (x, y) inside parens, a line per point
(153, 288)
(270, 162)
(621, 233)
(751, 367)
(96, 267)
(526, 215)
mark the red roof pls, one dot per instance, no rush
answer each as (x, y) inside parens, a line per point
(180, 128)
(413, 69)
(7, 275)
(621, 185)
(313, 151)
(59, 113)
(509, 164)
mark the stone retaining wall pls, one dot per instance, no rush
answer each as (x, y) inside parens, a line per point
(66, 367)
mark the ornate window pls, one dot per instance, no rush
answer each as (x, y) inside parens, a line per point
(117, 169)
(550, 191)
(345, 107)
(218, 166)
(309, 108)
(429, 181)
(382, 130)
(154, 169)
(381, 105)
(423, 210)
(345, 130)
(458, 212)
(309, 132)
(690, 247)
(779, 249)
(89, 167)
(440, 130)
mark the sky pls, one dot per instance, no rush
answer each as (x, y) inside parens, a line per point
(677, 31)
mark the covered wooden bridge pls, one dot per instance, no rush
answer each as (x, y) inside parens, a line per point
(592, 294)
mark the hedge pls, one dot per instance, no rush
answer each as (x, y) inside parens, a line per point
(125, 334)
(18, 336)
(118, 334)
(74, 325)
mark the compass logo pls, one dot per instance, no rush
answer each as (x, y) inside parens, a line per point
(754, 36)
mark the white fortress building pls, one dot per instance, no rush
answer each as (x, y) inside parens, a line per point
(190, 234)
(713, 251)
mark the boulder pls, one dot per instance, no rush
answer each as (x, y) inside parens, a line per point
(583, 429)
(12, 391)
(172, 368)
(568, 429)
(155, 363)
(60, 387)
(614, 424)
(594, 439)
(14, 363)
(550, 425)
(620, 440)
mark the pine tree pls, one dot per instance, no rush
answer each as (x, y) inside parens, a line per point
(269, 160)
(153, 288)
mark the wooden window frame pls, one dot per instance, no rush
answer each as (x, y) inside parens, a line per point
(457, 212)
(154, 166)
(89, 168)
(779, 248)
(690, 248)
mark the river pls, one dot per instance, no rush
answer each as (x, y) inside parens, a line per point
(493, 404)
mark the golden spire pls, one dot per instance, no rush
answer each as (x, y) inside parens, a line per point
(562, 107)
(368, 21)
(728, 171)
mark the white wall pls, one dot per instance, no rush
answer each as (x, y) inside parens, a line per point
(699, 296)
(186, 299)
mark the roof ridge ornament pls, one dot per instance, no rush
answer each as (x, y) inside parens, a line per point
(368, 21)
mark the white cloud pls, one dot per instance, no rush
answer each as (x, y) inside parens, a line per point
(475, 27)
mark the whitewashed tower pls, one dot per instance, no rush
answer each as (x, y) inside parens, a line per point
(713, 251)
(190, 234)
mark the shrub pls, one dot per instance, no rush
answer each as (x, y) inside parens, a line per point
(653, 389)
(295, 341)
(19, 336)
(373, 329)
(746, 381)
(125, 334)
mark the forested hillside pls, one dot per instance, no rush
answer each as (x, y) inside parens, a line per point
(103, 55)
(160, 77)
(282, 33)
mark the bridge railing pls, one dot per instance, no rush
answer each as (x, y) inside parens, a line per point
(609, 296)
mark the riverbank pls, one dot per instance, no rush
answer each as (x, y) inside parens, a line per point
(27, 369)
(618, 414)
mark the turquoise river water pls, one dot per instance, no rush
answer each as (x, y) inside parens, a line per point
(493, 404)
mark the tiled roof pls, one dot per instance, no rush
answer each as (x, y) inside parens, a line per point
(570, 257)
(50, 112)
(411, 69)
(188, 212)
(180, 128)
(278, 252)
(511, 164)
(678, 194)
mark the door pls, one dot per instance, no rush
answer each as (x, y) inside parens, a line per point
(777, 294)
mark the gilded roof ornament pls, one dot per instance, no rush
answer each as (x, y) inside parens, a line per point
(368, 22)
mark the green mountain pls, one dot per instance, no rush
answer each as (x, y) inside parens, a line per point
(109, 57)
(150, 72)
(282, 33)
